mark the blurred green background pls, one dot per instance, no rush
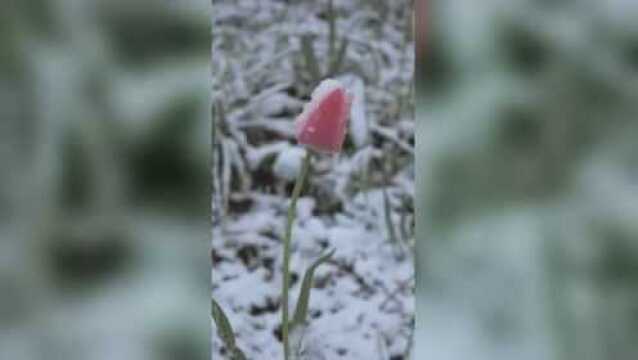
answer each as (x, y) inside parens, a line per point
(104, 187)
(528, 180)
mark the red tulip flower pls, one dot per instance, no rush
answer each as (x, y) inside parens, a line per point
(322, 127)
(322, 124)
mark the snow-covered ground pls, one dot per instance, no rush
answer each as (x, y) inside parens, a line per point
(359, 203)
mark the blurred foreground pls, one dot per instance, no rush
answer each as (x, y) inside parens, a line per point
(528, 181)
(104, 186)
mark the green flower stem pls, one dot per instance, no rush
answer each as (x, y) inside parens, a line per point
(292, 211)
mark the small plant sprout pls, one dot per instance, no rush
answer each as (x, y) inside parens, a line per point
(226, 333)
(321, 127)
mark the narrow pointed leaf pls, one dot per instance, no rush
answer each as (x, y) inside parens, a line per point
(338, 58)
(332, 27)
(301, 310)
(308, 49)
(387, 211)
(225, 331)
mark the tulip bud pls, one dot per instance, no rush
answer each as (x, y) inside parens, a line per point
(322, 124)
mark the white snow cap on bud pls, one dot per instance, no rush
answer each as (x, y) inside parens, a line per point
(325, 87)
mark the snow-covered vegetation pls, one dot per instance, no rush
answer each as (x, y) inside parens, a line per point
(267, 57)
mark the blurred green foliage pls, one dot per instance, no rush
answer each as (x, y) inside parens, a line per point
(528, 185)
(104, 193)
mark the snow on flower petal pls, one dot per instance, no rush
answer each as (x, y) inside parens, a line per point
(322, 124)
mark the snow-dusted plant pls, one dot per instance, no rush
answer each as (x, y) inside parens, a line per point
(346, 202)
(322, 128)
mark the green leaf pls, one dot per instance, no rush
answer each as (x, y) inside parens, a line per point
(301, 310)
(332, 28)
(387, 211)
(308, 49)
(338, 58)
(225, 331)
